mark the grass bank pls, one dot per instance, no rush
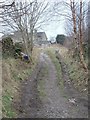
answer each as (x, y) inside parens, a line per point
(14, 71)
(77, 75)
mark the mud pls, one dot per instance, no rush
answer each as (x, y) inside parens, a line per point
(56, 103)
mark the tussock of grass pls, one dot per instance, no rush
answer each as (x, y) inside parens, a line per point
(7, 108)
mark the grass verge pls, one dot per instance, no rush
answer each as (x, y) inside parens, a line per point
(14, 71)
(77, 75)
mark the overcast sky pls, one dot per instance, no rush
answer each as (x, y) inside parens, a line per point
(53, 28)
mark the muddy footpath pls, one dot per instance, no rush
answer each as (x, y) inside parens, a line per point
(51, 101)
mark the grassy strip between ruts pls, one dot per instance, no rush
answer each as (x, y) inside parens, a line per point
(14, 71)
(51, 53)
(41, 82)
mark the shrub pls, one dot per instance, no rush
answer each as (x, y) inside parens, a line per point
(11, 50)
(7, 47)
(60, 39)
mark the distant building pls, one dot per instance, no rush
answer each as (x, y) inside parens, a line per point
(16, 36)
(39, 37)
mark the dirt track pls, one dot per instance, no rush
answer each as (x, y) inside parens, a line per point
(56, 103)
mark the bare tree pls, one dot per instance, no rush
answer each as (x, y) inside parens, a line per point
(78, 33)
(81, 37)
(26, 17)
(75, 14)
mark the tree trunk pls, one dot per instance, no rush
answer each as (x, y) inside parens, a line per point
(31, 40)
(81, 39)
(26, 46)
(72, 5)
